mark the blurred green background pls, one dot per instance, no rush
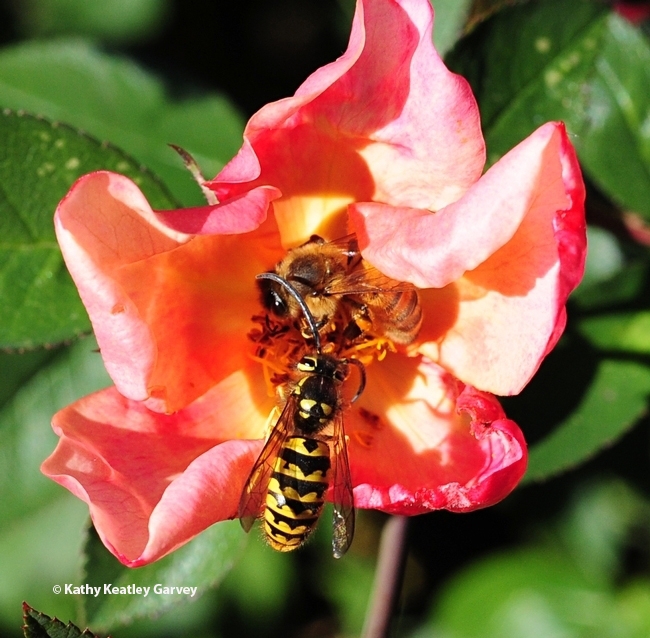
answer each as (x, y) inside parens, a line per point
(568, 554)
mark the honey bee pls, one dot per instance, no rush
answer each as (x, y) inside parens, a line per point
(335, 281)
(305, 453)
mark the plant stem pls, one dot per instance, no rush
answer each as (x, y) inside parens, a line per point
(388, 578)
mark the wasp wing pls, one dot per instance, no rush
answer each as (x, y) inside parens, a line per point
(254, 495)
(343, 497)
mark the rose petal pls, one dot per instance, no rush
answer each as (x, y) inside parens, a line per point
(432, 251)
(152, 481)
(513, 271)
(170, 312)
(433, 109)
(369, 126)
(239, 215)
(412, 452)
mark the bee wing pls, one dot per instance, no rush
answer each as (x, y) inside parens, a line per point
(254, 494)
(343, 497)
(366, 279)
(347, 245)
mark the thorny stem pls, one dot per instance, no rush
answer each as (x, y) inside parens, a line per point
(388, 578)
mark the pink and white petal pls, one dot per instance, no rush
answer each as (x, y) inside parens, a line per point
(430, 149)
(319, 176)
(411, 451)
(389, 101)
(208, 491)
(108, 214)
(504, 445)
(139, 470)
(570, 233)
(511, 309)
(170, 311)
(241, 214)
(103, 222)
(197, 303)
(245, 168)
(434, 250)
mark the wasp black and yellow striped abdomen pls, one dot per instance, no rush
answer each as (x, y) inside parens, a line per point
(296, 492)
(304, 454)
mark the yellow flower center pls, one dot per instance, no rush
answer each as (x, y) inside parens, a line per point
(279, 346)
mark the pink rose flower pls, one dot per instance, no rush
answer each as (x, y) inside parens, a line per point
(384, 142)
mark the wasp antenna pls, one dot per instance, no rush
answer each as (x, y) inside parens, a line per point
(301, 302)
(362, 383)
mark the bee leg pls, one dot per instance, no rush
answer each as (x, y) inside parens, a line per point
(361, 317)
(352, 331)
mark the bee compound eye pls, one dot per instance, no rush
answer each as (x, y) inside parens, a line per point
(272, 300)
(278, 304)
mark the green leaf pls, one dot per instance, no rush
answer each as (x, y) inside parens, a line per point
(348, 585)
(515, 595)
(38, 551)
(623, 287)
(450, 18)
(114, 99)
(609, 279)
(551, 589)
(526, 63)
(261, 600)
(200, 564)
(605, 257)
(615, 146)
(110, 20)
(623, 331)
(25, 435)
(597, 527)
(569, 61)
(39, 161)
(38, 625)
(16, 370)
(38, 514)
(614, 402)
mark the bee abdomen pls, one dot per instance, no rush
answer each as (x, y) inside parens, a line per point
(408, 312)
(399, 316)
(296, 492)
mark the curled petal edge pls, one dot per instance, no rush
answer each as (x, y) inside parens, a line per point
(183, 511)
(434, 250)
(506, 458)
(240, 214)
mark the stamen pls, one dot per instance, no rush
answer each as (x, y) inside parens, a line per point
(267, 367)
(369, 350)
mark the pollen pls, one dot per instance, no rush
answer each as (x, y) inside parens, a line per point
(279, 348)
(276, 347)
